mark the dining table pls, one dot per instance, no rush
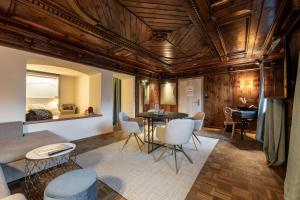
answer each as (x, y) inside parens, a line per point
(157, 116)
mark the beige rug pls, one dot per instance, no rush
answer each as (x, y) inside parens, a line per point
(136, 176)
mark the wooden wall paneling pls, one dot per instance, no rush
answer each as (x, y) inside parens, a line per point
(221, 90)
(275, 83)
(217, 95)
(251, 92)
(153, 96)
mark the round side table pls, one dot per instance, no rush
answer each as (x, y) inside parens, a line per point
(45, 163)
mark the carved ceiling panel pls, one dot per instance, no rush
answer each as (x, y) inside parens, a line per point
(235, 35)
(190, 42)
(116, 18)
(159, 36)
(159, 15)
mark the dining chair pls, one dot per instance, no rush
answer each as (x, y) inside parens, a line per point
(229, 120)
(198, 124)
(132, 126)
(177, 133)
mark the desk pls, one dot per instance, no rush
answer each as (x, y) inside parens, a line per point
(244, 116)
(150, 116)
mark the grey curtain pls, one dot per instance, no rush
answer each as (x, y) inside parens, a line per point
(117, 100)
(292, 179)
(274, 130)
(261, 107)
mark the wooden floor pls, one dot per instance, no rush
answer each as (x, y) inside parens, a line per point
(235, 169)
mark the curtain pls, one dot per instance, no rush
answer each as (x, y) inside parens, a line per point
(261, 109)
(274, 130)
(292, 179)
(117, 100)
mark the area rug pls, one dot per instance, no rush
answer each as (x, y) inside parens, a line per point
(135, 174)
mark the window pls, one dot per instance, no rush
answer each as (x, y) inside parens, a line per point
(41, 85)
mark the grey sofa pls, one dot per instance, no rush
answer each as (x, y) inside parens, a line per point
(14, 145)
(4, 191)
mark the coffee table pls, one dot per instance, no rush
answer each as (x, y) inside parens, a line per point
(41, 167)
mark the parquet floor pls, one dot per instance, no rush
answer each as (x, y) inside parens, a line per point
(235, 170)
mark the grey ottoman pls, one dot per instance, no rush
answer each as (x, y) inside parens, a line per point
(79, 184)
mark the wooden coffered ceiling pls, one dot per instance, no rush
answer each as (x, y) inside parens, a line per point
(154, 37)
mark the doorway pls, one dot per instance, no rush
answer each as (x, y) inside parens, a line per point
(190, 95)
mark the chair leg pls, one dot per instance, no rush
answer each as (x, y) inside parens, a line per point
(232, 132)
(126, 141)
(137, 141)
(190, 160)
(161, 155)
(140, 139)
(175, 158)
(145, 134)
(194, 142)
(225, 126)
(197, 138)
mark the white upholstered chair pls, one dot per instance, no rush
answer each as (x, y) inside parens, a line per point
(177, 133)
(229, 120)
(131, 126)
(198, 124)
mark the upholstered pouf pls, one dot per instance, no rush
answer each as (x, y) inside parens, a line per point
(79, 184)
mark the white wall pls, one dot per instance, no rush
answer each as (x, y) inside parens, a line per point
(70, 129)
(95, 92)
(83, 90)
(82, 93)
(66, 89)
(107, 100)
(128, 96)
(13, 95)
(12, 85)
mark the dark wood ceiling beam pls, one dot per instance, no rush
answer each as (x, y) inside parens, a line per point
(257, 9)
(151, 5)
(17, 36)
(166, 21)
(163, 16)
(206, 27)
(248, 64)
(156, 11)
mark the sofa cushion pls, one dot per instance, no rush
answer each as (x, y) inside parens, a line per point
(4, 191)
(17, 196)
(16, 148)
(11, 130)
(14, 170)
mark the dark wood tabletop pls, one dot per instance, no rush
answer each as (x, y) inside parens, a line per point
(165, 115)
